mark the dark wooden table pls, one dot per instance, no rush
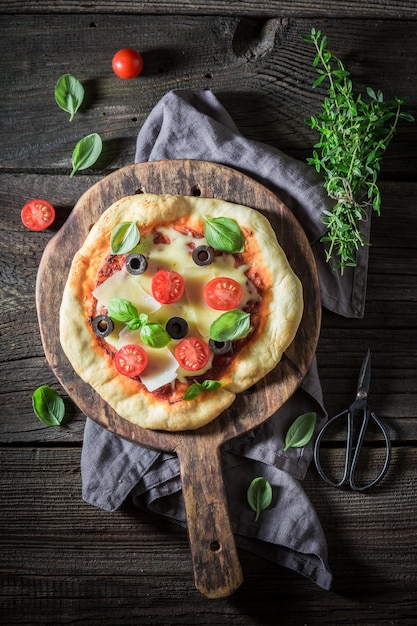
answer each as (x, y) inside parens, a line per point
(66, 562)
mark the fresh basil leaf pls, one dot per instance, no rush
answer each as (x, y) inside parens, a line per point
(124, 237)
(154, 335)
(224, 234)
(196, 388)
(69, 94)
(259, 495)
(48, 406)
(193, 391)
(231, 325)
(122, 310)
(86, 152)
(211, 385)
(134, 323)
(301, 431)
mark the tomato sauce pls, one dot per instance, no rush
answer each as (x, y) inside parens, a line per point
(173, 392)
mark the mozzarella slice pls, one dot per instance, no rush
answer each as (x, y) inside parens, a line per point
(162, 365)
(124, 285)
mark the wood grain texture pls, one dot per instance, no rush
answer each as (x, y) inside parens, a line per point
(216, 569)
(262, 72)
(69, 561)
(395, 9)
(65, 562)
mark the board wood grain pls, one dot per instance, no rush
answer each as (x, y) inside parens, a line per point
(217, 570)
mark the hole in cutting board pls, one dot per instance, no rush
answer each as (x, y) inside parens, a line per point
(215, 546)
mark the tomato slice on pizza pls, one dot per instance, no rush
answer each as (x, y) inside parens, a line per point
(174, 304)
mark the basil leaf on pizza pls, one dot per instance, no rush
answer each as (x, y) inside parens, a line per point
(229, 326)
(196, 388)
(224, 234)
(125, 236)
(154, 327)
(122, 310)
(154, 335)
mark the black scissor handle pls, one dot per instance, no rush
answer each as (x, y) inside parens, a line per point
(387, 461)
(352, 451)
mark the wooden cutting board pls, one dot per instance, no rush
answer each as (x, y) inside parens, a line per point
(217, 571)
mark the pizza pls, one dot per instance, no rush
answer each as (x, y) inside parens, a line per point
(174, 304)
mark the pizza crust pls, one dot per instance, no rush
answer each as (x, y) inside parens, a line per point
(281, 310)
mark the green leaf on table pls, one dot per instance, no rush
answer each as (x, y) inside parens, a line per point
(69, 94)
(48, 406)
(259, 495)
(86, 152)
(301, 431)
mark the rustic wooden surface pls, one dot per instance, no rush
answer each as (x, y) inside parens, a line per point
(217, 573)
(64, 561)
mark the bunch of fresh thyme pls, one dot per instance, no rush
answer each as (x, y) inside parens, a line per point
(354, 135)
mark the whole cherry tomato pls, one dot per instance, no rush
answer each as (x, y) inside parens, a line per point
(37, 214)
(127, 63)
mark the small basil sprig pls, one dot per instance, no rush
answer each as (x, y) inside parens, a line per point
(124, 237)
(153, 335)
(48, 406)
(223, 234)
(259, 495)
(69, 94)
(301, 431)
(234, 324)
(86, 152)
(196, 388)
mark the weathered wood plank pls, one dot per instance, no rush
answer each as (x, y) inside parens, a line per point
(390, 312)
(301, 8)
(259, 70)
(64, 561)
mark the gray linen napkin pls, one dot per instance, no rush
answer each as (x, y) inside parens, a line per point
(194, 125)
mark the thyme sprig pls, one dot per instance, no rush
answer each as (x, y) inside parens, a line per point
(354, 134)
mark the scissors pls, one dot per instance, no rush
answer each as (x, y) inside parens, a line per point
(358, 409)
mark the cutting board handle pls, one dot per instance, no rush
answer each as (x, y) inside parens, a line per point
(217, 570)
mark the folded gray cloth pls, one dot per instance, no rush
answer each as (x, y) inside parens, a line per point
(194, 125)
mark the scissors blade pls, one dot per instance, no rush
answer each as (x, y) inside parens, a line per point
(364, 380)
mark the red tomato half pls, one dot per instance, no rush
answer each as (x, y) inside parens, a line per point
(167, 287)
(127, 63)
(223, 294)
(192, 353)
(37, 214)
(131, 360)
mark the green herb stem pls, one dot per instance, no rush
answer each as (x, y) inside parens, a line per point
(354, 135)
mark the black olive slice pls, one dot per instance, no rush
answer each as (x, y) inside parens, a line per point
(102, 325)
(176, 327)
(220, 347)
(203, 255)
(136, 263)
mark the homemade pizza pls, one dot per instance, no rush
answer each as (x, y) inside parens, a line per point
(174, 304)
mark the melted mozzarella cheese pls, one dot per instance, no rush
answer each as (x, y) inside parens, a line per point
(176, 255)
(122, 284)
(162, 365)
